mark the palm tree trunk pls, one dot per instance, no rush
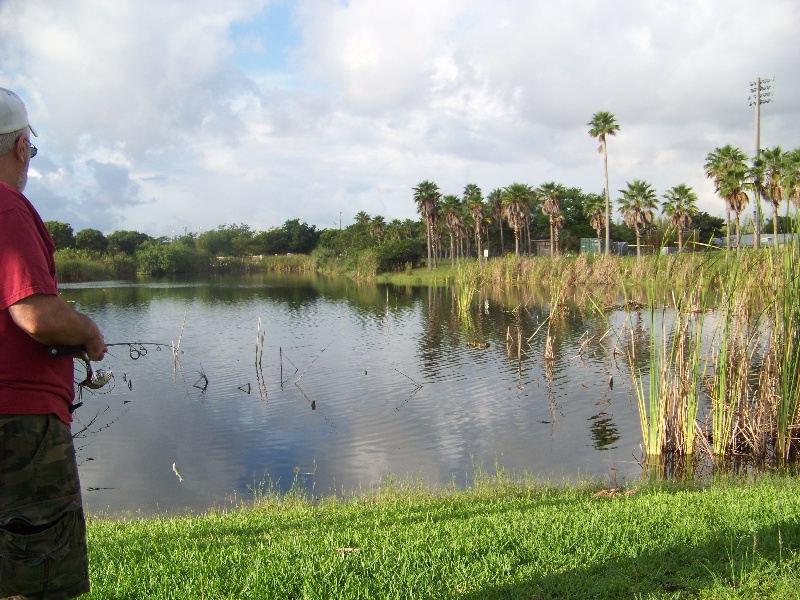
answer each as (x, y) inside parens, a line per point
(638, 244)
(452, 253)
(608, 199)
(738, 234)
(428, 235)
(775, 222)
(728, 227)
(528, 233)
(502, 241)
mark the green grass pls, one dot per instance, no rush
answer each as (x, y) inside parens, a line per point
(496, 540)
(441, 275)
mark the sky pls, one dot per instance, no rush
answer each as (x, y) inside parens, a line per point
(182, 116)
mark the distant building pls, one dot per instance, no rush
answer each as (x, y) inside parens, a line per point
(747, 239)
(621, 248)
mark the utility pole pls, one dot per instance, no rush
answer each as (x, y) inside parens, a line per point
(761, 90)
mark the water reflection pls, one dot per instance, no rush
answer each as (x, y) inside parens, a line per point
(348, 381)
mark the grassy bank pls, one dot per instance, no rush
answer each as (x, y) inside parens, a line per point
(674, 271)
(499, 539)
(80, 265)
(507, 272)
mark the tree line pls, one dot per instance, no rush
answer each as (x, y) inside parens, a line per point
(773, 176)
(460, 225)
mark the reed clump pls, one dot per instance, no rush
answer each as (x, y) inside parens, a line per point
(722, 379)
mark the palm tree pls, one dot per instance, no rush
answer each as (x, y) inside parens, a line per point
(719, 162)
(731, 187)
(594, 208)
(377, 227)
(680, 203)
(474, 198)
(515, 200)
(791, 176)
(767, 174)
(450, 207)
(636, 205)
(394, 230)
(498, 211)
(426, 196)
(362, 218)
(551, 193)
(603, 124)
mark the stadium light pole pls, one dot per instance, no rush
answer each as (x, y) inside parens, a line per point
(761, 90)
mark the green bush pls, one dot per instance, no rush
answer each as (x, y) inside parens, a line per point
(367, 265)
(397, 254)
(157, 258)
(75, 265)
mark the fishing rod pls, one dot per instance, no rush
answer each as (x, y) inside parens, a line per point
(95, 379)
(135, 349)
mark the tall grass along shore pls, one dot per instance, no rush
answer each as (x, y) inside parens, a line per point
(498, 539)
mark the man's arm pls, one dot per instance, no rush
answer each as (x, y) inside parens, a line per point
(49, 319)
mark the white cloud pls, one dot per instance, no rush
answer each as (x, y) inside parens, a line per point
(154, 116)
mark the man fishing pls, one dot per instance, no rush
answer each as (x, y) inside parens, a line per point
(43, 551)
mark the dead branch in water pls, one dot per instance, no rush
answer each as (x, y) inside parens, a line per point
(584, 344)
(262, 384)
(312, 362)
(280, 349)
(176, 350)
(204, 379)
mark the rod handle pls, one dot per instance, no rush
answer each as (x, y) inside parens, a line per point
(64, 350)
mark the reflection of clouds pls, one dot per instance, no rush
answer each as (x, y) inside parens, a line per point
(371, 418)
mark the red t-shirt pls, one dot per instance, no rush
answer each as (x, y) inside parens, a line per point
(31, 381)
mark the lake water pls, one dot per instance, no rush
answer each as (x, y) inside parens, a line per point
(357, 383)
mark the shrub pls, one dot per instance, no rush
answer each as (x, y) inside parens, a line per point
(157, 258)
(394, 255)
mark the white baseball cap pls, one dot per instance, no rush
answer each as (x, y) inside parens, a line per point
(13, 115)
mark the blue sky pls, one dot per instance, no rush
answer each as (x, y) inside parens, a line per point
(170, 116)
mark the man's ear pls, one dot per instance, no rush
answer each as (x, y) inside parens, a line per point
(20, 148)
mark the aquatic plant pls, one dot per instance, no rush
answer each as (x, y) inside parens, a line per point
(786, 335)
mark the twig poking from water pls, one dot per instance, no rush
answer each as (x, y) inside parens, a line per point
(549, 353)
(409, 378)
(204, 379)
(418, 387)
(312, 362)
(533, 335)
(280, 348)
(82, 432)
(262, 384)
(176, 350)
(584, 343)
(290, 362)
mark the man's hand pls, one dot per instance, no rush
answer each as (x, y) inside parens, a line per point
(49, 319)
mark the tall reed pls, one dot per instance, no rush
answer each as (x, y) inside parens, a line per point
(669, 402)
(786, 333)
(649, 398)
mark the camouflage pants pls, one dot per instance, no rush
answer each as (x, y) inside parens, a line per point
(43, 550)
